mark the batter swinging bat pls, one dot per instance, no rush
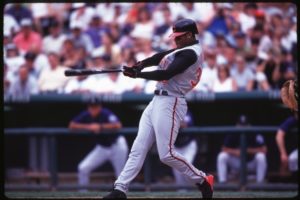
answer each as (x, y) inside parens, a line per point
(82, 72)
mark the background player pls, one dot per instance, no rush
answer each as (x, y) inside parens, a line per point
(229, 161)
(113, 148)
(179, 71)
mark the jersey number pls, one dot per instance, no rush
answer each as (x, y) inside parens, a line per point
(198, 75)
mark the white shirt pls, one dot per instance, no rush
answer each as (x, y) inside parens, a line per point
(10, 24)
(52, 79)
(14, 63)
(85, 84)
(247, 22)
(106, 85)
(53, 44)
(226, 86)
(207, 79)
(83, 19)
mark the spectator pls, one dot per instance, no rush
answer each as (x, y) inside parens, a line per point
(82, 14)
(224, 82)
(228, 160)
(54, 41)
(79, 38)
(209, 72)
(27, 39)
(243, 76)
(288, 151)
(43, 16)
(52, 79)
(85, 84)
(68, 53)
(23, 86)
(13, 59)
(106, 12)
(187, 146)
(80, 85)
(260, 77)
(10, 25)
(116, 83)
(247, 17)
(18, 11)
(205, 37)
(95, 30)
(110, 49)
(220, 23)
(30, 58)
(113, 148)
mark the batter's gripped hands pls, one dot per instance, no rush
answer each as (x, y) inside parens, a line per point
(130, 71)
(139, 66)
(95, 127)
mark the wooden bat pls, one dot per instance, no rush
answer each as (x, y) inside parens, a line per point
(84, 72)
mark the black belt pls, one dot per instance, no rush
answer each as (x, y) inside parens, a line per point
(161, 92)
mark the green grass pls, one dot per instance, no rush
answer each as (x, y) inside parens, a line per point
(152, 195)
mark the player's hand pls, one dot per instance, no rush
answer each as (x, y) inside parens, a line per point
(130, 71)
(284, 159)
(139, 66)
(95, 127)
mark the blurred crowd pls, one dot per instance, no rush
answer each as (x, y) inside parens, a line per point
(247, 46)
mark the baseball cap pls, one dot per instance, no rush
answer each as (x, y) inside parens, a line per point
(183, 26)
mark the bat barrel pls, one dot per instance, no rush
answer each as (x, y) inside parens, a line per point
(83, 72)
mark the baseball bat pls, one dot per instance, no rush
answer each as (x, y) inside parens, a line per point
(83, 72)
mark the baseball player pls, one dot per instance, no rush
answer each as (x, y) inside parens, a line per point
(178, 72)
(229, 161)
(113, 148)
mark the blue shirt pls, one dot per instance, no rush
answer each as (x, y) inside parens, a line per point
(288, 124)
(291, 140)
(105, 116)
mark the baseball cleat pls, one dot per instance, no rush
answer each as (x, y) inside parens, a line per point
(115, 194)
(206, 188)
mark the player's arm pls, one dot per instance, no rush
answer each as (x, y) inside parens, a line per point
(112, 123)
(153, 60)
(78, 123)
(281, 145)
(182, 61)
(110, 126)
(75, 125)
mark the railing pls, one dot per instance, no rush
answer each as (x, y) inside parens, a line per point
(140, 97)
(51, 133)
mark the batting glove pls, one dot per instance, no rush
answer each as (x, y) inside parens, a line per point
(130, 71)
(139, 66)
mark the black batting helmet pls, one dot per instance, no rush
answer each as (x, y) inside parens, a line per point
(182, 26)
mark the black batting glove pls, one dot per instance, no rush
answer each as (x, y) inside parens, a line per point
(139, 66)
(130, 72)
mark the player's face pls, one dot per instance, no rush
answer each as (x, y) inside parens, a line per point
(182, 40)
(94, 110)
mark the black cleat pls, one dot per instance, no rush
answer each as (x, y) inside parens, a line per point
(206, 188)
(115, 194)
